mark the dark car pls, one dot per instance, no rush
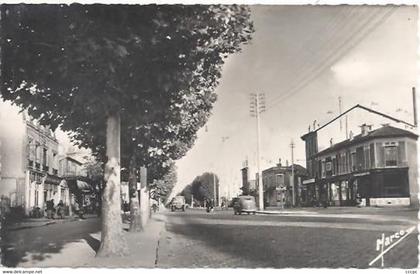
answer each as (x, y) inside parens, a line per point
(244, 204)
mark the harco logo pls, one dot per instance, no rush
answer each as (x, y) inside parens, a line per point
(389, 242)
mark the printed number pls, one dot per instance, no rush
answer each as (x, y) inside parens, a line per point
(411, 272)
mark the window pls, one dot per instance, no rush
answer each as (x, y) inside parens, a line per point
(353, 161)
(391, 154)
(323, 168)
(45, 159)
(343, 163)
(280, 180)
(402, 157)
(372, 155)
(367, 156)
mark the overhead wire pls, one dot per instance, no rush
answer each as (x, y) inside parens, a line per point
(335, 55)
(316, 66)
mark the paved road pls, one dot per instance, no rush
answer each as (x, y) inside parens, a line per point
(36, 244)
(220, 239)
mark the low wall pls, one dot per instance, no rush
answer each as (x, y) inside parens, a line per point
(389, 201)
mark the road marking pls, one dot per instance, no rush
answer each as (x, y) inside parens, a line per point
(411, 229)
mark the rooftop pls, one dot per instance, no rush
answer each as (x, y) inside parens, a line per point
(298, 169)
(383, 132)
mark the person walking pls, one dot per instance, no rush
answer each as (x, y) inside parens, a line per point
(49, 209)
(60, 209)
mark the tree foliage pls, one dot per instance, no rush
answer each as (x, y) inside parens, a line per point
(159, 65)
(187, 193)
(202, 187)
(161, 189)
(145, 73)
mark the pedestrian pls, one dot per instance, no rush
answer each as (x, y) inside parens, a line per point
(50, 208)
(79, 210)
(358, 200)
(208, 205)
(60, 209)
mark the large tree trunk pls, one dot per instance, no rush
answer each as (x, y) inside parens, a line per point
(113, 241)
(136, 223)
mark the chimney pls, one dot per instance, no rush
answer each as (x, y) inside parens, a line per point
(331, 142)
(279, 164)
(365, 129)
(351, 135)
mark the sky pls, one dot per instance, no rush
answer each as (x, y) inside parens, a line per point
(303, 58)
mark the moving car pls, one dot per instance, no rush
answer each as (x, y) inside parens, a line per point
(178, 203)
(244, 204)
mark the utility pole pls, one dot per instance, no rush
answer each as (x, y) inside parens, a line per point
(192, 200)
(257, 106)
(292, 146)
(414, 106)
(214, 189)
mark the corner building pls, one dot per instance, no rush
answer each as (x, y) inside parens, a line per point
(380, 165)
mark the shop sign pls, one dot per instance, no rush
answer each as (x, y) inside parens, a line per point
(308, 181)
(328, 166)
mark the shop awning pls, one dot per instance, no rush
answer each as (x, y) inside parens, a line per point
(51, 179)
(83, 186)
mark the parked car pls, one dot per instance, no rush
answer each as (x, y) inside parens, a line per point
(178, 203)
(244, 204)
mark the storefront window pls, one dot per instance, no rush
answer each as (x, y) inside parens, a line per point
(334, 192)
(344, 187)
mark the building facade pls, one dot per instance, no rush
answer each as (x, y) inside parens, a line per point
(378, 165)
(29, 162)
(280, 189)
(75, 175)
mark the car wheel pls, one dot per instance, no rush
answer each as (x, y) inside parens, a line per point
(183, 208)
(240, 212)
(248, 213)
(253, 213)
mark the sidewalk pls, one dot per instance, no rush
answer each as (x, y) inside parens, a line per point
(401, 214)
(345, 209)
(38, 222)
(143, 250)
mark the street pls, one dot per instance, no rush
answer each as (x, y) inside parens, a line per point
(296, 238)
(220, 239)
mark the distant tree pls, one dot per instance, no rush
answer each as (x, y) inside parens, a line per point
(202, 186)
(89, 68)
(95, 174)
(187, 193)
